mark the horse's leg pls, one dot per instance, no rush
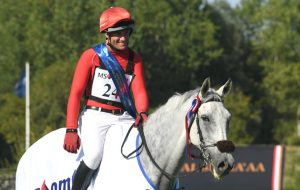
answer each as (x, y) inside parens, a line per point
(82, 177)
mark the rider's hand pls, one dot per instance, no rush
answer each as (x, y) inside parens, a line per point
(72, 141)
(141, 118)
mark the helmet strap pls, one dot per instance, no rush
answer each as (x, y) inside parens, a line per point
(108, 40)
(109, 44)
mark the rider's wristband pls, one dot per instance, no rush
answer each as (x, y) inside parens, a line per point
(71, 131)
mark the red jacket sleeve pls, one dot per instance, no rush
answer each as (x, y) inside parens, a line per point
(139, 87)
(80, 80)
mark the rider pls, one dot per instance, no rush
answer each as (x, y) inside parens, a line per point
(103, 103)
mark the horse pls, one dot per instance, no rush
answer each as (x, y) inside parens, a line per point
(197, 117)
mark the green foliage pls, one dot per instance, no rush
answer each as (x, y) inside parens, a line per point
(48, 106)
(274, 36)
(177, 42)
(12, 127)
(58, 30)
(181, 43)
(241, 113)
(291, 180)
(282, 94)
(12, 20)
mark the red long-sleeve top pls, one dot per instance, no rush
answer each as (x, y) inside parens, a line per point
(83, 78)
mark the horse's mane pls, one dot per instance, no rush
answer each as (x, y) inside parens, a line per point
(178, 101)
(175, 102)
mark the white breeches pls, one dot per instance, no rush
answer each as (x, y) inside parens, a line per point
(93, 127)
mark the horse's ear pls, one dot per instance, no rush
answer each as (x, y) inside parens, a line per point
(205, 86)
(225, 89)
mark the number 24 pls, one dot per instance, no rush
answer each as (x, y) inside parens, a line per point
(107, 92)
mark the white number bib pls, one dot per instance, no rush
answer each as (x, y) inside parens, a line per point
(103, 86)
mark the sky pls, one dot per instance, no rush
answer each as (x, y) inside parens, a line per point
(233, 3)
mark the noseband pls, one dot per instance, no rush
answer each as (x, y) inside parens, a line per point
(224, 146)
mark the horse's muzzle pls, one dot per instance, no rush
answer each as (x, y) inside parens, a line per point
(225, 146)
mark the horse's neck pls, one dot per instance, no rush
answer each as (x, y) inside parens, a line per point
(165, 137)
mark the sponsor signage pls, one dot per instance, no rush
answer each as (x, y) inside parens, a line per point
(256, 167)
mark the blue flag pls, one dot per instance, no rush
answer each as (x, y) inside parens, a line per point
(20, 87)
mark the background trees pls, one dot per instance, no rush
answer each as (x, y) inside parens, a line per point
(274, 37)
(181, 42)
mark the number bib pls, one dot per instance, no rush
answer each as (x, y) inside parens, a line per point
(103, 86)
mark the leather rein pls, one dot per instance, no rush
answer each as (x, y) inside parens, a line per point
(223, 145)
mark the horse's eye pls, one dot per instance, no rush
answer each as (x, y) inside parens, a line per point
(205, 118)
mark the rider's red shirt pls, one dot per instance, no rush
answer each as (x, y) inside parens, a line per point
(82, 83)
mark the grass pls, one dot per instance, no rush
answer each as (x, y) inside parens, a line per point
(291, 178)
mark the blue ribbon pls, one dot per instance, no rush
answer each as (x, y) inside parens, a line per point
(177, 185)
(189, 119)
(118, 77)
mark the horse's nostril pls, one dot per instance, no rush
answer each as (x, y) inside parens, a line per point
(223, 165)
(225, 146)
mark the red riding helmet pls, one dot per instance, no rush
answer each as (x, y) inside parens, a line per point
(115, 19)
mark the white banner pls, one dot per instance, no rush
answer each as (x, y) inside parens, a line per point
(47, 166)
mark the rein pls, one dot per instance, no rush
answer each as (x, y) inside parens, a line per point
(223, 145)
(144, 144)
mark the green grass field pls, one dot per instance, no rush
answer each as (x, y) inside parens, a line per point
(291, 179)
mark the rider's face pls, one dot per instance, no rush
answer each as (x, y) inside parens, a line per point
(119, 40)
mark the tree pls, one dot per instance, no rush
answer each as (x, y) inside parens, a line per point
(178, 40)
(274, 28)
(181, 43)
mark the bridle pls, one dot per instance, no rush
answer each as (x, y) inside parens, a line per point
(222, 145)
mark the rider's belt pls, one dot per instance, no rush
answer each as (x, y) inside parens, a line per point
(115, 112)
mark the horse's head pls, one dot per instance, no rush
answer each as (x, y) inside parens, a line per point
(209, 130)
